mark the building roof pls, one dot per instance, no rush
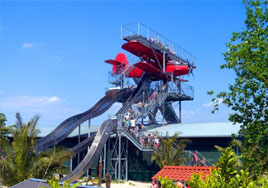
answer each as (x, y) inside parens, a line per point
(33, 183)
(182, 173)
(211, 129)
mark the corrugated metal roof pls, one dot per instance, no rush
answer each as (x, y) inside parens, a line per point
(211, 129)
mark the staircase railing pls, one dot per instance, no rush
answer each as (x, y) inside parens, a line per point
(120, 79)
(136, 141)
(188, 155)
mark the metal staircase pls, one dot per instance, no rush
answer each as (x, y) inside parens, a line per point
(134, 141)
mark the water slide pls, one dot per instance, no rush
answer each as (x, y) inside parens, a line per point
(68, 126)
(84, 144)
(103, 134)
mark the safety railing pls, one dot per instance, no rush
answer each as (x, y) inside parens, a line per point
(138, 139)
(120, 78)
(195, 158)
(190, 158)
(180, 88)
(139, 29)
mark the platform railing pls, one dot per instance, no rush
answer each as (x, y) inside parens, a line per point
(120, 79)
(139, 29)
(180, 88)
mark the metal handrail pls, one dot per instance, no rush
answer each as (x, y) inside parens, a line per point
(186, 151)
(178, 87)
(140, 29)
(119, 78)
(135, 141)
(202, 156)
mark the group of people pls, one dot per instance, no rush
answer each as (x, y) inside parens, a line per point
(152, 39)
(195, 160)
(129, 123)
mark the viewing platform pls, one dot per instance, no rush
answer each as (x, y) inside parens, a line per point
(151, 39)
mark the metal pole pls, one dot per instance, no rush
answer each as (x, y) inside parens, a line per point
(180, 101)
(180, 111)
(104, 161)
(142, 110)
(71, 164)
(119, 157)
(189, 159)
(164, 62)
(109, 154)
(163, 122)
(88, 128)
(172, 82)
(126, 159)
(79, 140)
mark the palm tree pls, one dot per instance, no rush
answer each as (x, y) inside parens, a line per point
(21, 161)
(170, 151)
(3, 130)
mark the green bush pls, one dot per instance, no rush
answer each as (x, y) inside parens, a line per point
(166, 182)
(55, 184)
(228, 174)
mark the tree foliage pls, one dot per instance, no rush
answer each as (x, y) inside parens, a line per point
(166, 182)
(170, 151)
(228, 174)
(21, 161)
(2, 120)
(247, 56)
(3, 129)
(55, 184)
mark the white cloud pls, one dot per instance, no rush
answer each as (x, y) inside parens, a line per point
(210, 104)
(53, 99)
(27, 45)
(27, 101)
(2, 92)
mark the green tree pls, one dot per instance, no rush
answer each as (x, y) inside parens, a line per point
(21, 161)
(166, 182)
(3, 130)
(227, 174)
(247, 56)
(2, 120)
(170, 151)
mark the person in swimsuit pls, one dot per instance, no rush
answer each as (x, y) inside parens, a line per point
(154, 184)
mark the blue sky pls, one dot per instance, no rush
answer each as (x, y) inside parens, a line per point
(52, 53)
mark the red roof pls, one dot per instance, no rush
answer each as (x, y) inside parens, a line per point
(179, 173)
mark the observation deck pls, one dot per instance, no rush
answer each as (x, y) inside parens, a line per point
(151, 39)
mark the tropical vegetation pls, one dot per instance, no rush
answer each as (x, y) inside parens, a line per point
(21, 161)
(247, 56)
(55, 184)
(227, 173)
(166, 182)
(170, 151)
